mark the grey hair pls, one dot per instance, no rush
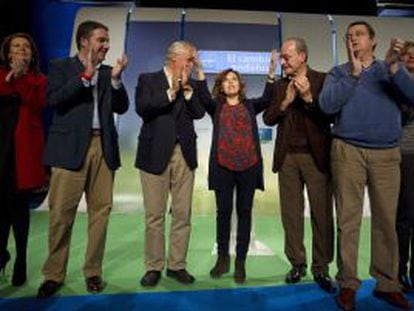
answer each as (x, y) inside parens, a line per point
(177, 48)
(300, 45)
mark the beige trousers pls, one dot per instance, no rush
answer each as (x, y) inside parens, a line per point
(66, 189)
(353, 168)
(177, 180)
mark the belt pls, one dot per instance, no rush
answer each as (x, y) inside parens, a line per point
(96, 132)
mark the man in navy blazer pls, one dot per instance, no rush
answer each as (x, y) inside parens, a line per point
(82, 150)
(167, 101)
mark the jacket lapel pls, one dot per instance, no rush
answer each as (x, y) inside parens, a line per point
(102, 77)
(179, 101)
(77, 65)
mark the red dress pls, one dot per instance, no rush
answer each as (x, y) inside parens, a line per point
(29, 133)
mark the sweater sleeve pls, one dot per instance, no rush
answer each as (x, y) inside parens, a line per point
(405, 84)
(263, 102)
(337, 89)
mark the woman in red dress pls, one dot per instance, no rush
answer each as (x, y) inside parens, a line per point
(22, 99)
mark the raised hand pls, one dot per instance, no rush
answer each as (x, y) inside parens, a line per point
(274, 58)
(18, 66)
(175, 85)
(120, 65)
(199, 67)
(356, 64)
(185, 81)
(184, 76)
(393, 54)
(90, 64)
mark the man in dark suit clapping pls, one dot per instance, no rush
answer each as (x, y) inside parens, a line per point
(301, 158)
(82, 150)
(167, 101)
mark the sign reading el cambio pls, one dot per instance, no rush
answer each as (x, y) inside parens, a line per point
(254, 63)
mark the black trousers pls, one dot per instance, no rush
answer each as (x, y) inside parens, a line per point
(405, 215)
(244, 183)
(14, 212)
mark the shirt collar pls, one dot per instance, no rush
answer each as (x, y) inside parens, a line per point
(168, 75)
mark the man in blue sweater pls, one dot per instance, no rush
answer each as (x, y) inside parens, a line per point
(364, 96)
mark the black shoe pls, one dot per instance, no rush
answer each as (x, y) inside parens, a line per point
(48, 288)
(95, 284)
(19, 273)
(325, 282)
(151, 278)
(4, 259)
(295, 274)
(181, 276)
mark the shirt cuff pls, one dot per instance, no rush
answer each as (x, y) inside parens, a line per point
(116, 83)
(85, 82)
(188, 94)
(171, 95)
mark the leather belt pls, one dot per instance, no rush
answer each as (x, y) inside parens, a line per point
(96, 132)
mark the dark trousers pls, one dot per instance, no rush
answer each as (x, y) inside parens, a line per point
(298, 170)
(244, 183)
(14, 213)
(405, 215)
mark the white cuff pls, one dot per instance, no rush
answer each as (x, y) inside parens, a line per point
(116, 83)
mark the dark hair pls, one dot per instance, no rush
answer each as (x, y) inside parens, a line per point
(5, 50)
(85, 30)
(370, 29)
(218, 93)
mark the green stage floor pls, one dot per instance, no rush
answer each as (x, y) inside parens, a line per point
(123, 264)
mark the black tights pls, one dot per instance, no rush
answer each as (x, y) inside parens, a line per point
(15, 214)
(244, 184)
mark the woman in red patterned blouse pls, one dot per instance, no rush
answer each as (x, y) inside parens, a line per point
(22, 99)
(235, 159)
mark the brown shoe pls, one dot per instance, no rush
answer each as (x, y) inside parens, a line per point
(346, 299)
(394, 298)
(239, 271)
(222, 266)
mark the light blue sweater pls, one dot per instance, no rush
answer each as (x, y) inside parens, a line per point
(366, 109)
